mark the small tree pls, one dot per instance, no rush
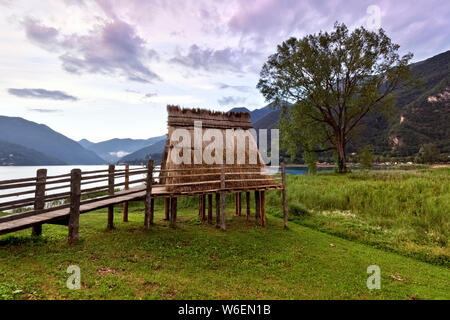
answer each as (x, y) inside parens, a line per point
(365, 158)
(333, 81)
(428, 153)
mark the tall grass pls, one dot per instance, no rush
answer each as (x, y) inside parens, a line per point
(405, 211)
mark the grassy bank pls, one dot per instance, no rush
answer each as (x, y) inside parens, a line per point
(198, 261)
(404, 211)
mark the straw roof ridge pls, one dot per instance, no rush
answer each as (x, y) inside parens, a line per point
(174, 110)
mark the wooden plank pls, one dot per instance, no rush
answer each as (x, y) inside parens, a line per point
(74, 213)
(39, 198)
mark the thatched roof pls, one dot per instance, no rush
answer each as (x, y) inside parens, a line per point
(185, 118)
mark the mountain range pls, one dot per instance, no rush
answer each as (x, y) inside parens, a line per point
(423, 116)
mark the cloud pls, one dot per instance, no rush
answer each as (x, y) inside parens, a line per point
(43, 110)
(231, 100)
(228, 59)
(119, 154)
(41, 94)
(238, 88)
(113, 48)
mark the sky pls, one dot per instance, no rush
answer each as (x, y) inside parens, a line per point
(103, 69)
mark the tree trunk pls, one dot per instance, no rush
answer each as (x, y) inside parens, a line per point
(341, 158)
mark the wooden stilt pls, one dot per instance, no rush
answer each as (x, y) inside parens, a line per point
(167, 209)
(39, 198)
(75, 199)
(173, 213)
(240, 203)
(210, 214)
(217, 210)
(111, 192)
(200, 203)
(257, 205)
(127, 187)
(236, 206)
(203, 207)
(222, 199)
(263, 208)
(247, 198)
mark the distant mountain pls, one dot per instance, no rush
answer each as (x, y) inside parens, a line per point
(153, 151)
(44, 140)
(15, 155)
(114, 149)
(256, 114)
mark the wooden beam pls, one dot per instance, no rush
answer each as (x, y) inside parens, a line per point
(167, 209)
(257, 205)
(173, 214)
(148, 195)
(247, 198)
(127, 187)
(283, 179)
(210, 214)
(217, 210)
(39, 198)
(75, 199)
(111, 169)
(263, 208)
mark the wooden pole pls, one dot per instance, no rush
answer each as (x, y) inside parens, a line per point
(152, 211)
(210, 214)
(200, 203)
(166, 209)
(240, 203)
(222, 199)
(173, 214)
(217, 210)
(263, 208)
(39, 198)
(236, 207)
(203, 207)
(283, 179)
(247, 198)
(75, 199)
(257, 205)
(148, 195)
(111, 192)
(127, 187)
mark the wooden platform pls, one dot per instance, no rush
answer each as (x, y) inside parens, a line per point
(61, 216)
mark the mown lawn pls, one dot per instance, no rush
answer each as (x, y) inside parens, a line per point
(198, 261)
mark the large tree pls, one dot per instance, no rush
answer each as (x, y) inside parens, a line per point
(333, 81)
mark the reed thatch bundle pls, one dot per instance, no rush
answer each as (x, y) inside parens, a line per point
(192, 177)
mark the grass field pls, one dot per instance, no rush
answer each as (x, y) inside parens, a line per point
(198, 261)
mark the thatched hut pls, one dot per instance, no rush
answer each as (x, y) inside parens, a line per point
(208, 152)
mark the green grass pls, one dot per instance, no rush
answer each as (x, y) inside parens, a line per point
(407, 212)
(198, 261)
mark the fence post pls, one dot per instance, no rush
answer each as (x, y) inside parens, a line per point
(283, 179)
(148, 195)
(111, 170)
(127, 187)
(222, 199)
(39, 198)
(75, 199)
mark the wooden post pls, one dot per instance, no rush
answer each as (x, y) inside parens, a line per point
(203, 207)
(217, 210)
(200, 203)
(39, 198)
(210, 214)
(222, 199)
(240, 203)
(166, 209)
(257, 205)
(152, 211)
(283, 179)
(75, 199)
(127, 187)
(148, 196)
(236, 207)
(263, 208)
(111, 192)
(247, 198)
(173, 214)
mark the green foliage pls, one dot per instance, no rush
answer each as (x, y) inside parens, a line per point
(333, 80)
(428, 153)
(311, 160)
(365, 158)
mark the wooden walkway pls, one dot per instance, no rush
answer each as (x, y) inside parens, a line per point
(147, 190)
